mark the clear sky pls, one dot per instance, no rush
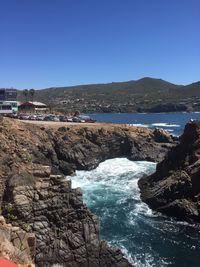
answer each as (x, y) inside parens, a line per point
(45, 43)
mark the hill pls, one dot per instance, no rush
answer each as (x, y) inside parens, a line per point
(144, 95)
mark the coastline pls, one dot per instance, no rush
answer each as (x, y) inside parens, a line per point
(27, 151)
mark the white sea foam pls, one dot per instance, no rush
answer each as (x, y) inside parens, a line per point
(114, 182)
(139, 124)
(158, 124)
(109, 173)
(149, 261)
(127, 254)
(143, 259)
(111, 191)
(169, 130)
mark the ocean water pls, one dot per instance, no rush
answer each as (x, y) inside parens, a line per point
(146, 238)
(172, 122)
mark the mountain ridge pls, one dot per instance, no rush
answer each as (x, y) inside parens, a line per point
(143, 95)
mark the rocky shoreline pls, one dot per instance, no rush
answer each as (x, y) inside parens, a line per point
(36, 197)
(174, 189)
(66, 232)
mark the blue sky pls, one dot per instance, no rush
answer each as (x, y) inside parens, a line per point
(45, 43)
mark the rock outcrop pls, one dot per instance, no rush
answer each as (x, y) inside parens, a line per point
(15, 244)
(174, 189)
(40, 200)
(78, 147)
(67, 233)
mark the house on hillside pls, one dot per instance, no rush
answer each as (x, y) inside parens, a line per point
(33, 108)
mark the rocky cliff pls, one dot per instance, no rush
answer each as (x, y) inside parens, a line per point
(78, 147)
(35, 196)
(175, 187)
(67, 233)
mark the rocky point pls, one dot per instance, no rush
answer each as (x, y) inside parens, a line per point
(36, 196)
(174, 189)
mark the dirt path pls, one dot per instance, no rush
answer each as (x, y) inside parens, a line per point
(54, 124)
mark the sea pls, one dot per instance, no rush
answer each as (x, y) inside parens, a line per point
(147, 238)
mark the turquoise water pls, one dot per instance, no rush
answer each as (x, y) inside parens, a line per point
(173, 122)
(147, 239)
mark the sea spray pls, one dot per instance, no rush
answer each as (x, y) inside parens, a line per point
(146, 238)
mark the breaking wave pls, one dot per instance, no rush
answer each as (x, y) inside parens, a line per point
(139, 124)
(158, 124)
(147, 239)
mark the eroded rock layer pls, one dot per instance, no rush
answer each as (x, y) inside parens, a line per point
(66, 231)
(174, 189)
(33, 161)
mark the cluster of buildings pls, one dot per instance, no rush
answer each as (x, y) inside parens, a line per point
(9, 104)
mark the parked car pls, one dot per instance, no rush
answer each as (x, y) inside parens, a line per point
(51, 117)
(32, 117)
(40, 117)
(55, 118)
(11, 115)
(76, 119)
(23, 116)
(63, 118)
(70, 119)
(86, 118)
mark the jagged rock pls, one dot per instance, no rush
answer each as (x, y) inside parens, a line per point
(161, 136)
(75, 147)
(66, 231)
(174, 189)
(16, 244)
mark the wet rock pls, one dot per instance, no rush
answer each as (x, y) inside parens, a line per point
(174, 189)
(161, 136)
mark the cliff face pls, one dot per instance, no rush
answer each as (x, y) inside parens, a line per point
(175, 187)
(78, 147)
(35, 196)
(66, 231)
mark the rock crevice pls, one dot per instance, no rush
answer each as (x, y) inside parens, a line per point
(66, 231)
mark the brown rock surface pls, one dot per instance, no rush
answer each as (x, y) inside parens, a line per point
(15, 244)
(174, 189)
(66, 231)
(33, 160)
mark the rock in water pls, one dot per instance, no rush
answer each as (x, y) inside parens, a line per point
(174, 189)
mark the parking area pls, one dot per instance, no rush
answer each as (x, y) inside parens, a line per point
(51, 118)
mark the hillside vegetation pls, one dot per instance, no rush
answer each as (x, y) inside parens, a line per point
(144, 95)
